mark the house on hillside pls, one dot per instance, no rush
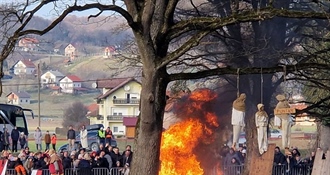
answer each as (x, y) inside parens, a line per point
(59, 48)
(120, 98)
(24, 67)
(71, 84)
(70, 51)
(18, 98)
(93, 112)
(109, 52)
(28, 44)
(51, 78)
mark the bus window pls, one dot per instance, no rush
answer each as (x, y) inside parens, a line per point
(20, 123)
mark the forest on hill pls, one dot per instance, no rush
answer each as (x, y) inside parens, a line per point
(100, 32)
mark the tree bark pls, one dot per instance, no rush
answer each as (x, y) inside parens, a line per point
(324, 141)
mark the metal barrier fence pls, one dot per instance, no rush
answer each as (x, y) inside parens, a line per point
(277, 170)
(229, 170)
(76, 171)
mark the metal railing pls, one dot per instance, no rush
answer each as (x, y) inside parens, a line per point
(277, 170)
(125, 101)
(76, 171)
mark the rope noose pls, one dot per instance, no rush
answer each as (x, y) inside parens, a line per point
(237, 85)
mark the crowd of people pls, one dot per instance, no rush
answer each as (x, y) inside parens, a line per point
(106, 157)
(289, 163)
(79, 159)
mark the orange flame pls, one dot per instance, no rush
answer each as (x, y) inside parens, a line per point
(178, 145)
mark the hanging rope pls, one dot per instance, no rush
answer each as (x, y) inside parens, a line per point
(261, 87)
(237, 85)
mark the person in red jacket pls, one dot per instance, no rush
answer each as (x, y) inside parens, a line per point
(55, 163)
(53, 140)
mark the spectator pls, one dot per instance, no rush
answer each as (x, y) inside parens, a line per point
(85, 165)
(14, 137)
(54, 139)
(28, 165)
(20, 170)
(109, 160)
(39, 162)
(38, 138)
(101, 161)
(55, 163)
(116, 157)
(83, 137)
(11, 161)
(126, 161)
(5, 139)
(101, 136)
(128, 148)
(101, 148)
(311, 159)
(109, 150)
(22, 140)
(279, 158)
(108, 136)
(243, 156)
(232, 154)
(66, 160)
(27, 151)
(295, 153)
(71, 136)
(47, 140)
(22, 156)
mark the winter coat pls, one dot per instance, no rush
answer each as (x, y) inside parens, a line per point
(84, 164)
(66, 162)
(14, 135)
(47, 138)
(55, 165)
(83, 138)
(38, 137)
(22, 140)
(54, 140)
(279, 158)
(71, 134)
(5, 138)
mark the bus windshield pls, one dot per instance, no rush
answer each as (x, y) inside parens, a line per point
(14, 115)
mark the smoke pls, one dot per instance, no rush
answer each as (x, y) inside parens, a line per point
(199, 104)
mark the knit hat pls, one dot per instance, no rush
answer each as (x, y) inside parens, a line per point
(259, 106)
(280, 97)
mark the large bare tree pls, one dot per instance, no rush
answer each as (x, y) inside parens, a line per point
(165, 37)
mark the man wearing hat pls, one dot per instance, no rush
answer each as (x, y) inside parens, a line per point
(237, 118)
(283, 121)
(261, 119)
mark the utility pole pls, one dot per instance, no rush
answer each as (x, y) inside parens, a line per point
(39, 81)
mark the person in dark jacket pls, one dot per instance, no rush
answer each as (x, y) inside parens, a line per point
(66, 160)
(5, 139)
(279, 158)
(71, 136)
(84, 165)
(14, 137)
(22, 140)
(39, 162)
(115, 156)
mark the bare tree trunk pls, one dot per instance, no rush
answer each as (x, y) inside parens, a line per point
(323, 135)
(150, 124)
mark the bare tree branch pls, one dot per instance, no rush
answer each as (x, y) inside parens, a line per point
(213, 23)
(251, 70)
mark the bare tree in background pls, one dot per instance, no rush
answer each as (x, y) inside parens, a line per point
(157, 24)
(75, 115)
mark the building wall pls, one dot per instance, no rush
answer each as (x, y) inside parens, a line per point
(70, 50)
(20, 68)
(130, 132)
(117, 128)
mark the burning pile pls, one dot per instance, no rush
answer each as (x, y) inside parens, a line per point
(178, 149)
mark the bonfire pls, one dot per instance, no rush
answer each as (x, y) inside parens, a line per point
(179, 143)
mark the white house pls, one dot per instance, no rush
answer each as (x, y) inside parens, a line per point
(51, 78)
(24, 67)
(18, 98)
(70, 84)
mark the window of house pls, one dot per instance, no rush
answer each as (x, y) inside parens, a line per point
(26, 100)
(21, 100)
(115, 129)
(117, 113)
(133, 95)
